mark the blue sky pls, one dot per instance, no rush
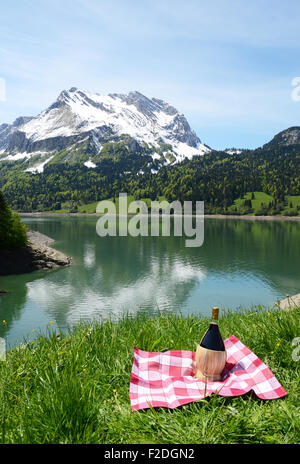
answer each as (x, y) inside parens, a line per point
(227, 65)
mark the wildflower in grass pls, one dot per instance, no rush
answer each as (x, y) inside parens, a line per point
(114, 390)
(4, 322)
(51, 322)
(277, 344)
(83, 370)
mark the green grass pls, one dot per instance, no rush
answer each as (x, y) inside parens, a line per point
(265, 199)
(90, 208)
(237, 207)
(294, 199)
(130, 198)
(260, 198)
(74, 388)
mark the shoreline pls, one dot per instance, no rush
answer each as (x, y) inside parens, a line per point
(206, 216)
(36, 255)
(290, 302)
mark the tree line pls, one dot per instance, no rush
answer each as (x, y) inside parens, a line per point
(12, 230)
(217, 178)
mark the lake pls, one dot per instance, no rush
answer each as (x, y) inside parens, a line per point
(242, 263)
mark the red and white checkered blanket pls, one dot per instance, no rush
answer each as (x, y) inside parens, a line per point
(167, 379)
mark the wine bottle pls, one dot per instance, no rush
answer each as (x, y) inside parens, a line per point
(211, 353)
(212, 339)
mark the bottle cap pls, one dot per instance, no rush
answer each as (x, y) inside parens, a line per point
(215, 313)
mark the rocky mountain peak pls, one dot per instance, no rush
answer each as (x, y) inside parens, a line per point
(77, 115)
(290, 136)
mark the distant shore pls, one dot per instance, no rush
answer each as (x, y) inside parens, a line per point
(253, 217)
(206, 216)
(35, 255)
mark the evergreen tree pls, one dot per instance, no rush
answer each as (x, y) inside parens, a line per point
(12, 230)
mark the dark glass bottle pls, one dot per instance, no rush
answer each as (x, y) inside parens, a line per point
(212, 339)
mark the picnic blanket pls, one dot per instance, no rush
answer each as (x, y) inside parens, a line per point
(167, 379)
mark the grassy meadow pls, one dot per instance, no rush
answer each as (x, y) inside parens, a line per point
(260, 202)
(259, 205)
(74, 387)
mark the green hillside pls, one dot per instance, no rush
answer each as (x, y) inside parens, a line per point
(260, 203)
(224, 182)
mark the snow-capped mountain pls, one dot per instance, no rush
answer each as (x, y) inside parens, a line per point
(78, 117)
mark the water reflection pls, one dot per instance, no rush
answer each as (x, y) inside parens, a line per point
(165, 286)
(241, 263)
(89, 257)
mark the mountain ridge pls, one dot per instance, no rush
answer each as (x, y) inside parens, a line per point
(286, 137)
(79, 126)
(76, 115)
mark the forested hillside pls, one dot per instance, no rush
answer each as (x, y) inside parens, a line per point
(218, 178)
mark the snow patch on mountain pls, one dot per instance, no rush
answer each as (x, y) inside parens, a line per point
(17, 156)
(90, 164)
(39, 167)
(234, 151)
(78, 115)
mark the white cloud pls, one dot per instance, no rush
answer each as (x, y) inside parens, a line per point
(152, 290)
(219, 63)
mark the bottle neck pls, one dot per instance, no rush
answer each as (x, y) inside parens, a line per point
(215, 315)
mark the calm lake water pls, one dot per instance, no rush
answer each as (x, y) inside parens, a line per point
(241, 263)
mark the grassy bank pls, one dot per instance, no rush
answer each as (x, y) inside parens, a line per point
(260, 203)
(75, 388)
(257, 203)
(91, 208)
